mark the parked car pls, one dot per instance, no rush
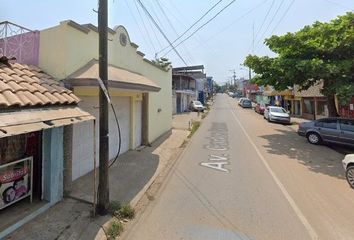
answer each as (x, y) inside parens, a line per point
(328, 130)
(348, 164)
(235, 95)
(259, 108)
(196, 106)
(246, 103)
(240, 100)
(276, 114)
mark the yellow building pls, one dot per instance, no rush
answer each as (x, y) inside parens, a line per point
(141, 91)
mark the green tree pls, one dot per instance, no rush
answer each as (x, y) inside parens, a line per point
(322, 51)
(162, 62)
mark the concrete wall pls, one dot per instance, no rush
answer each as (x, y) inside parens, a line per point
(64, 49)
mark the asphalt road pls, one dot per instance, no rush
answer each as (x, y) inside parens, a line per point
(241, 177)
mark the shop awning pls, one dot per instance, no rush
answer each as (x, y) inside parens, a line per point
(117, 78)
(30, 120)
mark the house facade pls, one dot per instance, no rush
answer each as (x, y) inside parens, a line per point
(309, 104)
(140, 91)
(184, 91)
(197, 72)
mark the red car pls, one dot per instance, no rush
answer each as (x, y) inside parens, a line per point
(259, 108)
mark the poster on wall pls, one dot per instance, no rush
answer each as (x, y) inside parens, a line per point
(15, 181)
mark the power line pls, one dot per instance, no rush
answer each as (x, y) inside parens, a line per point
(264, 20)
(143, 35)
(233, 22)
(183, 23)
(283, 16)
(203, 25)
(271, 21)
(338, 4)
(163, 34)
(173, 28)
(195, 23)
(152, 29)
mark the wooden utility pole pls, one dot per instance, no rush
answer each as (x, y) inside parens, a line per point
(103, 183)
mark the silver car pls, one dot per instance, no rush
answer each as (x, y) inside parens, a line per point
(329, 130)
(348, 164)
(276, 114)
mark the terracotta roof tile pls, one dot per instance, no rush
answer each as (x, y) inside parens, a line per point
(28, 73)
(60, 97)
(11, 98)
(40, 88)
(3, 101)
(29, 80)
(8, 70)
(4, 87)
(34, 99)
(52, 98)
(42, 97)
(17, 78)
(19, 72)
(25, 100)
(5, 78)
(23, 85)
(28, 86)
(14, 86)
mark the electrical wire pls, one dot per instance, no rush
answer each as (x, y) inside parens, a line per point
(218, 13)
(271, 21)
(260, 28)
(339, 4)
(195, 23)
(119, 134)
(283, 16)
(146, 30)
(140, 30)
(163, 34)
(152, 29)
(173, 28)
(217, 34)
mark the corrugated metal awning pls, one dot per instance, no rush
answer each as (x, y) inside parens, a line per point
(30, 120)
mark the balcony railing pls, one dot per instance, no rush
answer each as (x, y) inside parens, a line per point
(19, 42)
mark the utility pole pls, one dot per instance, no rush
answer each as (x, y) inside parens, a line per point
(234, 77)
(103, 184)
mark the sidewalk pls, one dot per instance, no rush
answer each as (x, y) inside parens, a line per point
(130, 177)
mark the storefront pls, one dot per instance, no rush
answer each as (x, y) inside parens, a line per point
(314, 107)
(32, 162)
(34, 109)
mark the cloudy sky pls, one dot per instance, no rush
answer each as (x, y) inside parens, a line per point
(230, 26)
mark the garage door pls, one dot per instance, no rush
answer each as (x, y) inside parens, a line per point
(122, 108)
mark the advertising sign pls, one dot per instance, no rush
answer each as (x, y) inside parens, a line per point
(15, 181)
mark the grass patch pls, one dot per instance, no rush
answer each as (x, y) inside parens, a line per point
(195, 126)
(114, 230)
(114, 207)
(126, 211)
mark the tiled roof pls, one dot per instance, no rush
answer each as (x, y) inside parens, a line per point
(22, 85)
(313, 91)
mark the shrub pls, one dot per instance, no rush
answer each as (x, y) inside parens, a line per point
(114, 230)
